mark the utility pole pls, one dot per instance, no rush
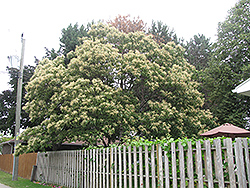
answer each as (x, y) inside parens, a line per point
(18, 111)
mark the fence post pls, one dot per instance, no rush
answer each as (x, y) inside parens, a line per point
(33, 173)
(240, 163)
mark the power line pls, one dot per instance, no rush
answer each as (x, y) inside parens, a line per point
(4, 72)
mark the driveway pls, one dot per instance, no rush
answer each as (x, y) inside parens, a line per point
(4, 186)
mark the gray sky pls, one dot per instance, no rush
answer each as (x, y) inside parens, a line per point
(41, 21)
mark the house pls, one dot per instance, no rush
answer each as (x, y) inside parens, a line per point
(243, 88)
(8, 146)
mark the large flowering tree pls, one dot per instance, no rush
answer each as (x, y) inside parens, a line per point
(116, 84)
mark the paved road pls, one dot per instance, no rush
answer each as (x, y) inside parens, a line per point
(4, 186)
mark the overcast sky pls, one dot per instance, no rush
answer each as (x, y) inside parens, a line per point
(41, 21)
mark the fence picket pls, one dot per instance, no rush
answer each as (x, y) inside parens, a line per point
(111, 168)
(93, 168)
(130, 166)
(120, 167)
(66, 169)
(135, 166)
(116, 183)
(181, 164)
(141, 167)
(219, 167)
(208, 162)
(107, 167)
(174, 170)
(199, 169)
(246, 150)
(160, 180)
(85, 168)
(97, 167)
(104, 171)
(88, 168)
(240, 163)
(190, 168)
(124, 167)
(166, 166)
(153, 166)
(100, 168)
(146, 167)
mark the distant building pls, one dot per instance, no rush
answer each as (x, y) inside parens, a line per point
(8, 146)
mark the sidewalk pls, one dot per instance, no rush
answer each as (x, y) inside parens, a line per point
(4, 186)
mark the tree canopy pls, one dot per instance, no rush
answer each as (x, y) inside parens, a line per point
(69, 40)
(198, 51)
(162, 33)
(8, 102)
(228, 67)
(117, 84)
(126, 25)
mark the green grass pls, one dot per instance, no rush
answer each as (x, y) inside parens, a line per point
(6, 179)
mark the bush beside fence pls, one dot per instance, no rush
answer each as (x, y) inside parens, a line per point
(26, 162)
(199, 164)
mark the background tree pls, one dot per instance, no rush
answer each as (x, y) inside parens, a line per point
(227, 69)
(117, 83)
(162, 33)
(8, 102)
(69, 40)
(198, 51)
(126, 25)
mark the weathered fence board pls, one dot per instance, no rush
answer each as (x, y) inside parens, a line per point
(240, 163)
(218, 162)
(199, 164)
(190, 168)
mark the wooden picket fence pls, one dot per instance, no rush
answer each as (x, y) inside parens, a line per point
(201, 164)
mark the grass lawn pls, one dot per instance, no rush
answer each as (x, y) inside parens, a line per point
(6, 179)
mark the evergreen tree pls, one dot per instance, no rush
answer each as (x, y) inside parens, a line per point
(69, 40)
(162, 33)
(228, 67)
(198, 51)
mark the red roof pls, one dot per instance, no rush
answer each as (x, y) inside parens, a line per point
(227, 130)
